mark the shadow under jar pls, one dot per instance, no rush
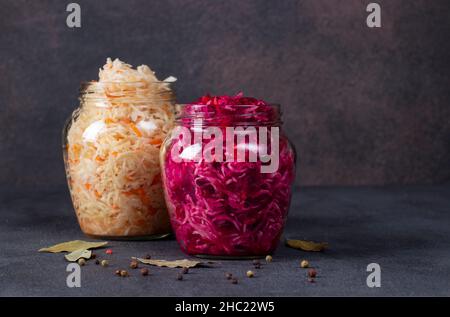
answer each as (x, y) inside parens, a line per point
(223, 205)
(111, 148)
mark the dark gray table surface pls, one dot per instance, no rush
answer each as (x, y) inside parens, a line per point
(404, 229)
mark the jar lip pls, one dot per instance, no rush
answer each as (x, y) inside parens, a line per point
(125, 92)
(271, 115)
(118, 82)
(98, 86)
(274, 105)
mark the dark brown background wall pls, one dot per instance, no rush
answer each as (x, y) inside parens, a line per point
(363, 106)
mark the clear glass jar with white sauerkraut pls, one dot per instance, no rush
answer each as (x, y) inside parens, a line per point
(111, 148)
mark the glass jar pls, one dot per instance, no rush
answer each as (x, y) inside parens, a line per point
(228, 193)
(111, 148)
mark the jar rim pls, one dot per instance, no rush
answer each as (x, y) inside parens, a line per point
(271, 116)
(272, 105)
(118, 82)
(162, 87)
(125, 92)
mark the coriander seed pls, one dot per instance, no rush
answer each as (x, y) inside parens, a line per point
(144, 271)
(81, 262)
(117, 272)
(123, 273)
(133, 264)
(104, 263)
(304, 264)
(250, 274)
(269, 258)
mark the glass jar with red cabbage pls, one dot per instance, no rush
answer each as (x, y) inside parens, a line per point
(227, 171)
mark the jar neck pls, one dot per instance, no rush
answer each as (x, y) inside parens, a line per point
(119, 94)
(194, 115)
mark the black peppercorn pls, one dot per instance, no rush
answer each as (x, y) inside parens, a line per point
(312, 273)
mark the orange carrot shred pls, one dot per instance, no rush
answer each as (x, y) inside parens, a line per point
(143, 196)
(135, 129)
(76, 148)
(118, 137)
(155, 141)
(139, 192)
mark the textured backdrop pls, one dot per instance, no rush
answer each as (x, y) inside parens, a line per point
(363, 106)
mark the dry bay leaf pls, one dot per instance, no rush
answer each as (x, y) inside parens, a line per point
(78, 254)
(71, 246)
(306, 245)
(172, 264)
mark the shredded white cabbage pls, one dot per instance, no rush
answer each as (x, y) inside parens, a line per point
(112, 157)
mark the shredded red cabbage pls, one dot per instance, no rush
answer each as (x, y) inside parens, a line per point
(228, 208)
